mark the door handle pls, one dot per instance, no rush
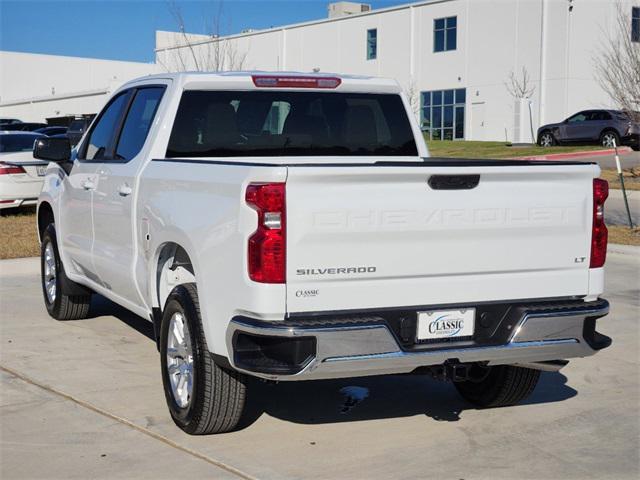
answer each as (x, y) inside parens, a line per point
(124, 190)
(88, 185)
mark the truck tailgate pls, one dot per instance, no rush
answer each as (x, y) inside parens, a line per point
(376, 236)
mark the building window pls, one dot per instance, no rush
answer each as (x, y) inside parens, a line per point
(635, 24)
(442, 114)
(372, 44)
(444, 34)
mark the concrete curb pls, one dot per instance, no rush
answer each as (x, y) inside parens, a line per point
(623, 249)
(570, 155)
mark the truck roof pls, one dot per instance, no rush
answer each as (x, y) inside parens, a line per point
(245, 80)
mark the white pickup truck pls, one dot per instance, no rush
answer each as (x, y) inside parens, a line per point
(293, 227)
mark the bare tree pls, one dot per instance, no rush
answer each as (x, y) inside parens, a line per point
(209, 52)
(519, 87)
(617, 64)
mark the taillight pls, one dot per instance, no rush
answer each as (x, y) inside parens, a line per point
(6, 169)
(267, 245)
(599, 233)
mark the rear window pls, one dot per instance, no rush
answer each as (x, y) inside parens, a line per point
(17, 142)
(278, 123)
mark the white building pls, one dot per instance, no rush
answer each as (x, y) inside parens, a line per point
(34, 87)
(453, 56)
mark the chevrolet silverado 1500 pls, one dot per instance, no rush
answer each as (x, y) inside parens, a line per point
(294, 227)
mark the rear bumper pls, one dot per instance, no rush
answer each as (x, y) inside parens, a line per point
(339, 347)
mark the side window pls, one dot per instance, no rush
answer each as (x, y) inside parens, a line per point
(138, 122)
(101, 135)
(578, 117)
(635, 24)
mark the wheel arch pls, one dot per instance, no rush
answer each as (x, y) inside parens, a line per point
(610, 129)
(172, 266)
(45, 216)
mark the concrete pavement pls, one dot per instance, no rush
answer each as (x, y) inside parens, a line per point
(83, 399)
(628, 160)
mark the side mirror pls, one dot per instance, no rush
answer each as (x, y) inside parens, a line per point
(52, 149)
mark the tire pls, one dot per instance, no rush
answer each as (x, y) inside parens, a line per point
(63, 298)
(608, 137)
(216, 400)
(547, 139)
(504, 385)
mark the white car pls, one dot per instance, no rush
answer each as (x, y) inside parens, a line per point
(294, 227)
(21, 175)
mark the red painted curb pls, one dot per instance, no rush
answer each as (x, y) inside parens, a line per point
(565, 156)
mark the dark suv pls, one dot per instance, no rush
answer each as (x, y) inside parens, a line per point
(77, 127)
(594, 127)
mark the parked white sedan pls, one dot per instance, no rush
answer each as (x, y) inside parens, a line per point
(21, 175)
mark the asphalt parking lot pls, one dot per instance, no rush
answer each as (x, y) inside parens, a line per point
(628, 159)
(615, 210)
(83, 399)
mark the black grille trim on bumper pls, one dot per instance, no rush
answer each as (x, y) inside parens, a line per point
(495, 322)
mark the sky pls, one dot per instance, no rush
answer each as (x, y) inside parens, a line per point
(124, 29)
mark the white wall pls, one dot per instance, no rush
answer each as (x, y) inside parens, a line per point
(33, 86)
(494, 37)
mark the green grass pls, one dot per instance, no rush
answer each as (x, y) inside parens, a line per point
(469, 149)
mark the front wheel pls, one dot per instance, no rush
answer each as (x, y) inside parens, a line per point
(202, 397)
(64, 299)
(546, 140)
(499, 386)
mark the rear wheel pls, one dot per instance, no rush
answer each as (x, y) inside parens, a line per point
(499, 386)
(609, 139)
(546, 139)
(64, 299)
(202, 397)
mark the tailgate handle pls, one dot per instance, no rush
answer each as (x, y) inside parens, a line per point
(453, 182)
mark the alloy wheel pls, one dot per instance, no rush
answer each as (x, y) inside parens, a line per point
(180, 360)
(608, 140)
(50, 273)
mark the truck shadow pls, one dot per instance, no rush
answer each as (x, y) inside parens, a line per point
(101, 306)
(351, 399)
(389, 396)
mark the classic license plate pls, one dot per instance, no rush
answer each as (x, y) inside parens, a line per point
(442, 324)
(41, 169)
